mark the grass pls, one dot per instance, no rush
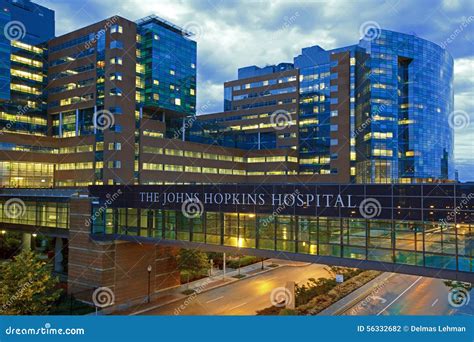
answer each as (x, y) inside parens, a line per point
(322, 293)
(188, 292)
(244, 261)
(193, 276)
(239, 276)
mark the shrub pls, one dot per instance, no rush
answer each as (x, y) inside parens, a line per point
(288, 312)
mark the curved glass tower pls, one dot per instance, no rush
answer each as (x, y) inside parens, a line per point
(407, 88)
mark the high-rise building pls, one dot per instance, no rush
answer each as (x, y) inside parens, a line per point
(375, 112)
(115, 103)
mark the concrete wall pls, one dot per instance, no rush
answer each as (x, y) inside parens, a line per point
(119, 266)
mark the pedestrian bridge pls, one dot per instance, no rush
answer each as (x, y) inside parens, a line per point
(416, 229)
(421, 229)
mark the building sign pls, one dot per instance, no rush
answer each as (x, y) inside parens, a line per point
(410, 202)
(237, 198)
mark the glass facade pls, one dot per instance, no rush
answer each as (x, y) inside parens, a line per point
(26, 174)
(4, 57)
(315, 118)
(168, 58)
(411, 96)
(24, 55)
(403, 242)
(38, 214)
(428, 226)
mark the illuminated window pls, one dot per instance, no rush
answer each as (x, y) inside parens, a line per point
(116, 29)
(116, 60)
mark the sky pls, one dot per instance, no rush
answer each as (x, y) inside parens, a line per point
(232, 34)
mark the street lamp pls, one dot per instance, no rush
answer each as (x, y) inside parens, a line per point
(1, 239)
(149, 281)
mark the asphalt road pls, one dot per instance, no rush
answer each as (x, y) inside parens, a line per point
(243, 297)
(409, 295)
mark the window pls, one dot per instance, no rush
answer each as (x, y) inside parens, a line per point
(115, 92)
(115, 146)
(118, 129)
(115, 76)
(192, 169)
(116, 60)
(116, 44)
(116, 29)
(172, 72)
(116, 164)
(334, 128)
(177, 102)
(116, 110)
(334, 142)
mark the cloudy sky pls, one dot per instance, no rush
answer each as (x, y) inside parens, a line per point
(232, 34)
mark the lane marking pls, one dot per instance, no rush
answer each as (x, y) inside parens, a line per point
(436, 301)
(238, 306)
(401, 294)
(215, 299)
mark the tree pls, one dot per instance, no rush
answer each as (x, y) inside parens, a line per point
(192, 261)
(27, 286)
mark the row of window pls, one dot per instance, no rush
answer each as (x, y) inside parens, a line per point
(212, 156)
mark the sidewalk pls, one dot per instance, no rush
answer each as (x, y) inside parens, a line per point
(206, 284)
(354, 297)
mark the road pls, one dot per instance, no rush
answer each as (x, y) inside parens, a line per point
(243, 297)
(409, 295)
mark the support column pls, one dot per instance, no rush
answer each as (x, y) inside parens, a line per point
(61, 124)
(120, 266)
(58, 255)
(77, 122)
(26, 242)
(183, 135)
